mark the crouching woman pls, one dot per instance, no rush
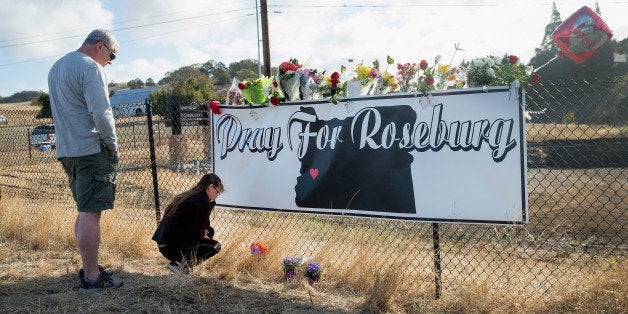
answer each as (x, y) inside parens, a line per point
(184, 235)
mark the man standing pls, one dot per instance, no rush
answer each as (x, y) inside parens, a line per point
(87, 145)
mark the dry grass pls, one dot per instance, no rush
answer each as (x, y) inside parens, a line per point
(38, 264)
(543, 132)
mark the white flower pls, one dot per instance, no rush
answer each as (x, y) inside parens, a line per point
(529, 70)
(490, 72)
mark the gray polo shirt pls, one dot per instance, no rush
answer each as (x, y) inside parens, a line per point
(79, 100)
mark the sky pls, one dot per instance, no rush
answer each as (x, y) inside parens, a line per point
(159, 36)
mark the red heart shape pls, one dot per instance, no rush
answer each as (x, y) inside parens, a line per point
(313, 173)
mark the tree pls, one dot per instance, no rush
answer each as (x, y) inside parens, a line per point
(150, 82)
(21, 96)
(599, 65)
(548, 49)
(43, 100)
(187, 83)
(135, 83)
(244, 70)
(217, 71)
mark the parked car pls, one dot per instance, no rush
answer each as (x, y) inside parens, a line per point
(43, 135)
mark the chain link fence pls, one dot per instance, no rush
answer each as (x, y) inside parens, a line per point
(577, 157)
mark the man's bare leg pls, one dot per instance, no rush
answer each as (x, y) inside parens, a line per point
(87, 230)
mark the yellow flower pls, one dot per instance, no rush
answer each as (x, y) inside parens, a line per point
(363, 72)
(444, 68)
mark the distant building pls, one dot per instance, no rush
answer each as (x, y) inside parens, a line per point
(619, 58)
(130, 102)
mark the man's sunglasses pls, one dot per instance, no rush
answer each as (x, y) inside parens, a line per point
(112, 56)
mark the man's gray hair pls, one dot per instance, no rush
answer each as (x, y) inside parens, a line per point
(102, 35)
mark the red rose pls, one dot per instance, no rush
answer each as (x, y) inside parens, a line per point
(423, 65)
(275, 83)
(241, 85)
(512, 59)
(335, 76)
(429, 80)
(274, 100)
(214, 105)
(535, 78)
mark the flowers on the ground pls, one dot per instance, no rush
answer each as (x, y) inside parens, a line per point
(313, 272)
(258, 248)
(290, 266)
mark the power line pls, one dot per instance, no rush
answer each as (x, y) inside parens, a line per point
(127, 28)
(132, 40)
(83, 30)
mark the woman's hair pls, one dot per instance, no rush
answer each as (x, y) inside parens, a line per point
(200, 187)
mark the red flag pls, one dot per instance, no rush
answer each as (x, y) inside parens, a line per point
(582, 34)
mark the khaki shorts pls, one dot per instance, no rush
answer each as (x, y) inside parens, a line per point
(92, 180)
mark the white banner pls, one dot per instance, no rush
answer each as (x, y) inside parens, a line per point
(454, 156)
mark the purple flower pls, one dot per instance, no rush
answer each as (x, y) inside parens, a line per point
(291, 262)
(255, 250)
(313, 271)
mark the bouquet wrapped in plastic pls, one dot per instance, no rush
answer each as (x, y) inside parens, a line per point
(255, 92)
(234, 94)
(290, 80)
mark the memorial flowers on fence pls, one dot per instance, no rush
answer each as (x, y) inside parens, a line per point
(310, 80)
(405, 75)
(289, 80)
(334, 89)
(425, 81)
(295, 81)
(255, 92)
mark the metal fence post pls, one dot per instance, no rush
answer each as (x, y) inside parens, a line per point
(437, 268)
(153, 159)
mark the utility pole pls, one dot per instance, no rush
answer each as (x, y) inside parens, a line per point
(266, 46)
(259, 60)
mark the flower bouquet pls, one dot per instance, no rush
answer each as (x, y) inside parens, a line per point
(313, 272)
(310, 80)
(290, 266)
(425, 81)
(368, 77)
(258, 248)
(255, 92)
(483, 72)
(334, 89)
(289, 79)
(405, 75)
(234, 94)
